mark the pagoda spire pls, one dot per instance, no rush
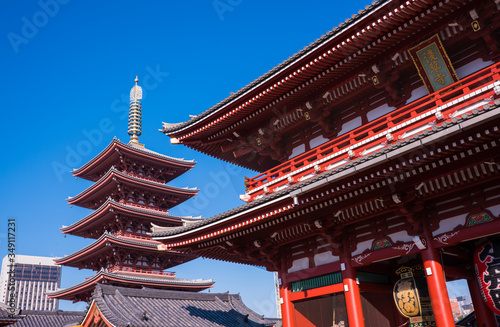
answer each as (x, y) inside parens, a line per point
(135, 114)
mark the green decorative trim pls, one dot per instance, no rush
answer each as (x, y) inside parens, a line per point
(336, 278)
(316, 282)
(478, 218)
(381, 244)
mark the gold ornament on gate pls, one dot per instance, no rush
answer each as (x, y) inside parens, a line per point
(406, 293)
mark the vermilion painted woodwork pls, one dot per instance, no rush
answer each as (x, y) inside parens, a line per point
(330, 289)
(351, 292)
(287, 311)
(436, 284)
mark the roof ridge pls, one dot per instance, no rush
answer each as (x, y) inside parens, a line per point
(323, 39)
(115, 141)
(104, 307)
(113, 170)
(126, 304)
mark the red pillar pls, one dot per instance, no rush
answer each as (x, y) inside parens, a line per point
(351, 292)
(436, 283)
(287, 305)
(485, 317)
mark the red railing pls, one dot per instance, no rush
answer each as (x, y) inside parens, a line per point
(452, 101)
(145, 207)
(167, 274)
(135, 236)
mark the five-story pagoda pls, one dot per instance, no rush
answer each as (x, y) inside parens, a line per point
(128, 195)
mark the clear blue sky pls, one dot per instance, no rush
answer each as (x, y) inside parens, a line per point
(67, 67)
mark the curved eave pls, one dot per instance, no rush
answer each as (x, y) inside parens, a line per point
(115, 176)
(86, 287)
(227, 222)
(248, 215)
(110, 208)
(289, 66)
(386, 28)
(105, 243)
(70, 293)
(246, 161)
(111, 155)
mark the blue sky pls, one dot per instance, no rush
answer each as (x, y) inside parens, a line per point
(67, 67)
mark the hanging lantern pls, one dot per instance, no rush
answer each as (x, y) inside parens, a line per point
(406, 294)
(412, 296)
(487, 268)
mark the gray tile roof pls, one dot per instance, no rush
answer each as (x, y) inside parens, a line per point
(135, 279)
(146, 307)
(5, 318)
(149, 212)
(163, 232)
(113, 240)
(173, 127)
(50, 319)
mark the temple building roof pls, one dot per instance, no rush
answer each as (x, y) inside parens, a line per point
(83, 290)
(277, 203)
(109, 243)
(146, 307)
(104, 217)
(173, 128)
(50, 319)
(114, 152)
(253, 127)
(113, 181)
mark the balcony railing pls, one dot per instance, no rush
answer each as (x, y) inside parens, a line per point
(135, 236)
(470, 93)
(128, 270)
(154, 209)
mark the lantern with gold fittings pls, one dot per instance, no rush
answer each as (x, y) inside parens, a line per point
(412, 296)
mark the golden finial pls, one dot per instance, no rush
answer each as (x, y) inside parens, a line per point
(135, 114)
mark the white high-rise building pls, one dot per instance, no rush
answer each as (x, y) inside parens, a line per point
(34, 276)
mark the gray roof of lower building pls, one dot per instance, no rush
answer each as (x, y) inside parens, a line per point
(123, 306)
(49, 318)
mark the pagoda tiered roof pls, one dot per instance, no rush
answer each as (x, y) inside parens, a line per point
(114, 182)
(334, 67)
(104, 219)
(102, 252)
(130, 279)
(116, 150)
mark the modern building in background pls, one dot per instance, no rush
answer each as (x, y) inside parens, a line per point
(34, 276)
